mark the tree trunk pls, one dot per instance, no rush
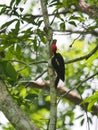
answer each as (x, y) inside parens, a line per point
(53, 93)
(12, 111)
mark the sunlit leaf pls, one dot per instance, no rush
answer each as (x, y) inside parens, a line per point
(23, 92)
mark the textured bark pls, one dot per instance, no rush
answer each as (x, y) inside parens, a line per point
(53, 98)
(12, 111)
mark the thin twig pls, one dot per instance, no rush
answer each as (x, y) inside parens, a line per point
(90, 77)
(18, 61)
(83, 57)
(41, 74)
(75, 40)
(93, 32)
(36, 62)
(28, 65)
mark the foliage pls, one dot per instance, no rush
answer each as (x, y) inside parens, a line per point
(23, 42)
(91, 100)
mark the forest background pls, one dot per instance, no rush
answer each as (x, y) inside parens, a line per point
(27, 93)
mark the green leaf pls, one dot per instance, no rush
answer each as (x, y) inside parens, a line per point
(18, 51)
(62, 19)
(29, 20)
(11, 3)
(92, 28)
(79, 116)
(8, 23)
(91, 105)
(10, 71)
(77, 18)
(23, 92)
(91, 100)
(54, 2)
(62, 26)
(17, 26)
(31, 96)
(7, 71)
(35, 44)
(82, 122)
(17, 2)
(73, 23)
(21, 9)
(3, 9)
(2, 71)
(40, 22)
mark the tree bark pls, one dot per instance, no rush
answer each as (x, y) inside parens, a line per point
(53, 94)
(12, 111)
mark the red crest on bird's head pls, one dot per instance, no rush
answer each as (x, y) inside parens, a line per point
(54, 47)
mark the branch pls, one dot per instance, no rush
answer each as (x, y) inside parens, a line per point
(74, 40)
(53, 14)
(41, 74)
(65, 93)
(22, 62)
(29, 64)
(93, 32)
(87, 9)
(83, 57)
(83, 6)
(12, 111)
(90, 77)
(78, 86)
(66, 62)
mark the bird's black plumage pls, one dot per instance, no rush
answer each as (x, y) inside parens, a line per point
(59, 67)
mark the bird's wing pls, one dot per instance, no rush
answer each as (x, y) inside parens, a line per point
(58, 65)
(61, 66)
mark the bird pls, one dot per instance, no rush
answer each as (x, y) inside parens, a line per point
(57, 63)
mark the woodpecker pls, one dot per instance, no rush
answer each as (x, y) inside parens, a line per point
(58, 64)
